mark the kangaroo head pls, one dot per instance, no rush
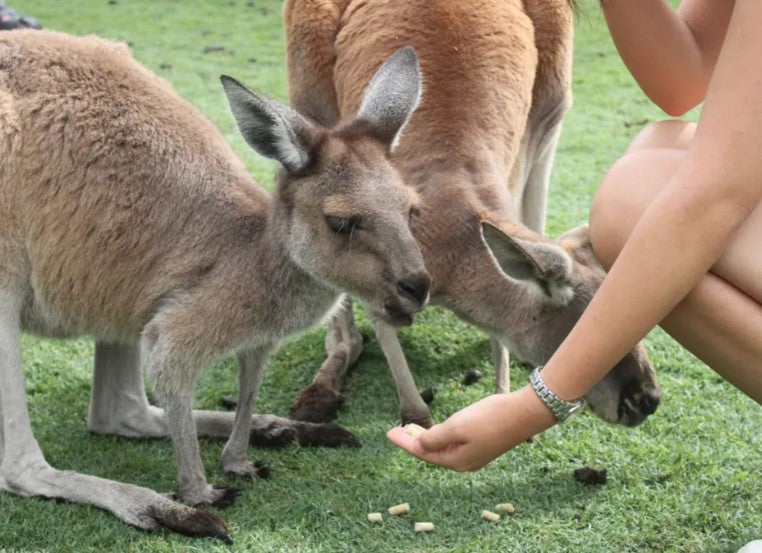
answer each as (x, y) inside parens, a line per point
(342, 211)
(564, 276)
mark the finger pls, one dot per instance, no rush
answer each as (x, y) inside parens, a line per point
(411, 444)
(400, 438)
(438, 437)
(446, 457)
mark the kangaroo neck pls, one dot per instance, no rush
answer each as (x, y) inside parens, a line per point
(290, 288)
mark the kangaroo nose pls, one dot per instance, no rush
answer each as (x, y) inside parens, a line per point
(649, 402)
(415, 288)
(635, 406)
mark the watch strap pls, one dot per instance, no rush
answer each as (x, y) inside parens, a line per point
(560, 408)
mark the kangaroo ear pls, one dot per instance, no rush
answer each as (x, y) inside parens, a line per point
(544, 263)
(270, 127)
(392, 95)
(579, 245)
(578, 237)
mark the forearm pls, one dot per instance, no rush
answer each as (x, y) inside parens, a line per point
(671, 62)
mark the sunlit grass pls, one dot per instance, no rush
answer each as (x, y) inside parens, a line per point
(687, 480)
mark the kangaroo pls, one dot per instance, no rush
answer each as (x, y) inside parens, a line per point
(125, 215)
(479, 150)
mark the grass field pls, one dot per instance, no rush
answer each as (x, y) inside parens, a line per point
(688, 480)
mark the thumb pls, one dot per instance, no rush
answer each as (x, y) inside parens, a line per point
(438, 437)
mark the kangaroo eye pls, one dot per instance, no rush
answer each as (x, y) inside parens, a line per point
(342, 225)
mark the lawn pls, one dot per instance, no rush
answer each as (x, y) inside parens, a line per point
(688, 480)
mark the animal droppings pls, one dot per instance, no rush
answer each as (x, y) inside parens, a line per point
(399, 509)
(375, 517)
(414, 430)
(490, 516)
(588, 475)
(428, 395)
(424, 527)
(472, 377)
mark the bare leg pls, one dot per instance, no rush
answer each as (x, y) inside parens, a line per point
(251, 368)
(720, 320)
(321, 400)
(413, 409)
(118, 405)
(721, 325)
(24, 471)
(502, 361)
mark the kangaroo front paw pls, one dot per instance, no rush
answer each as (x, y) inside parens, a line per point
(317, 404)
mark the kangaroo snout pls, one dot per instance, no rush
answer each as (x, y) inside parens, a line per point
(637, 403)
(414, 289)
(410, 294)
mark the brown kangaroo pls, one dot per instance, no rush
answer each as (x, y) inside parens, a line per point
(125, 215)
(497, 81)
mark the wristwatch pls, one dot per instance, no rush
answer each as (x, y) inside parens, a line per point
(560, 408)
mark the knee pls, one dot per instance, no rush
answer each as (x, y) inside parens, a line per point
(670, 133)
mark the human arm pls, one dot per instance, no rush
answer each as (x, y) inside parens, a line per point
(679, 237)
(670, 53)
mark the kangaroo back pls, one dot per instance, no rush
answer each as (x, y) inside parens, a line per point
(104, 155)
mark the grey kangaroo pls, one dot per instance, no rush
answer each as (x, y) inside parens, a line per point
(124, 215)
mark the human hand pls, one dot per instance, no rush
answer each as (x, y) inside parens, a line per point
(476, 435)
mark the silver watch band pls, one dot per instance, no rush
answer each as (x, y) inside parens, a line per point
(560, 408)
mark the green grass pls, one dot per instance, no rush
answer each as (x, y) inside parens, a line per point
(688, 480)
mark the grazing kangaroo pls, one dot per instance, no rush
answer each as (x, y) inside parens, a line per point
(497, 81)
(125, 215)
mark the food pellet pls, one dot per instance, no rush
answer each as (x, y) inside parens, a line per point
(414, 430)
(424, 527)
(505, 508)
(490, 516)
(375, 517)
(399, 509)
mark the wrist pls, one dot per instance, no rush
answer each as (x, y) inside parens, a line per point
(537, 412)
(565, 388)
(560, 408)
